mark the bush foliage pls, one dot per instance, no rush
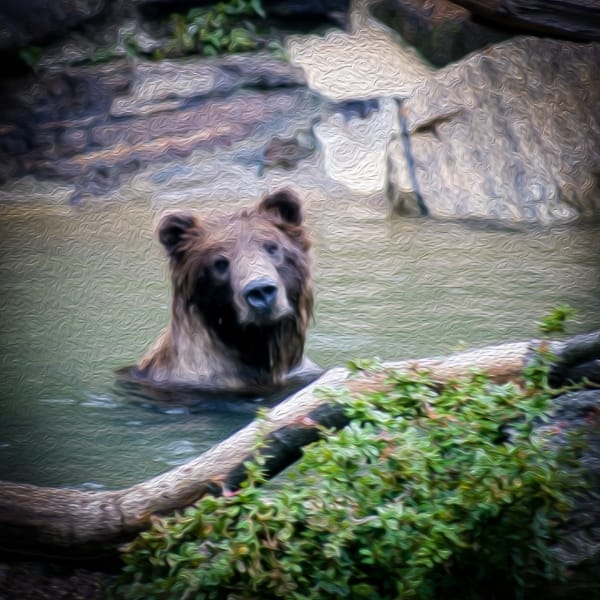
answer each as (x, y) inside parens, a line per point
(428, 493)
(217, 29)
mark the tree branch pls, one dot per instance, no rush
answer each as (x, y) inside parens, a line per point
(54, 521)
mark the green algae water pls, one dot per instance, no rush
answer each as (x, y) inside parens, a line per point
(84, 290)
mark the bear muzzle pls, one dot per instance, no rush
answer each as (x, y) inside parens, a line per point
(264, 302)
(261, 296)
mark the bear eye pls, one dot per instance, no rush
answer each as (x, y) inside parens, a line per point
(271, 248)
(221, 265)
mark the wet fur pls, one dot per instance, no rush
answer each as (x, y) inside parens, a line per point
(215, 339)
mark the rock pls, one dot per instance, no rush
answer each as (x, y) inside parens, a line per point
(440, 30)
(25, 21)
(171, 84)
(53, 114)
(510, 133)
(129, 144)
(349, 66)
(88, 124)
(579, 411)
(288, 152)
(354, 146)
(272, 7)
(48, 580)
(303, 7)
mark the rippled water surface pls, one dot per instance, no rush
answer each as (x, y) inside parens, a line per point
(84, 290)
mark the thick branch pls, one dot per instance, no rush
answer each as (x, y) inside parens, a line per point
(61, 521)
(577, 19)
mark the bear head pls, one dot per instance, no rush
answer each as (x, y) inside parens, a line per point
(245, 278)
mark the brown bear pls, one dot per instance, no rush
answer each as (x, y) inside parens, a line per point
(242, 299)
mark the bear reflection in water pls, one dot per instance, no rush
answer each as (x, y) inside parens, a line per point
(242, 301)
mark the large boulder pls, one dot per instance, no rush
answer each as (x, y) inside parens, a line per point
(510, 133)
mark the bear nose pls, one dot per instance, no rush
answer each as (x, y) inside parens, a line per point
(260, 295)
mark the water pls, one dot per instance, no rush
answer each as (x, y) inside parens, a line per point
(84, 291)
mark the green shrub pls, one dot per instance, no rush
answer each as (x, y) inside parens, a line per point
(216, 29)
(428, 493)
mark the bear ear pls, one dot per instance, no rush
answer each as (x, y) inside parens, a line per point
(173, 226)
(285, 205)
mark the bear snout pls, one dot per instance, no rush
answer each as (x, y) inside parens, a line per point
(261, 295)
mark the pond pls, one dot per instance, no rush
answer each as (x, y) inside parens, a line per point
(84, 290)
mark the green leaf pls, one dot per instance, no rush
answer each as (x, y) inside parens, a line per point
(555, 321)
(257, 7)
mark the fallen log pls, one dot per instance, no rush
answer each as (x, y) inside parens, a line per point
(62, 522)
(574, 19)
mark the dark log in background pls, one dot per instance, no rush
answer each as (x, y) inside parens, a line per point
(577, 20)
